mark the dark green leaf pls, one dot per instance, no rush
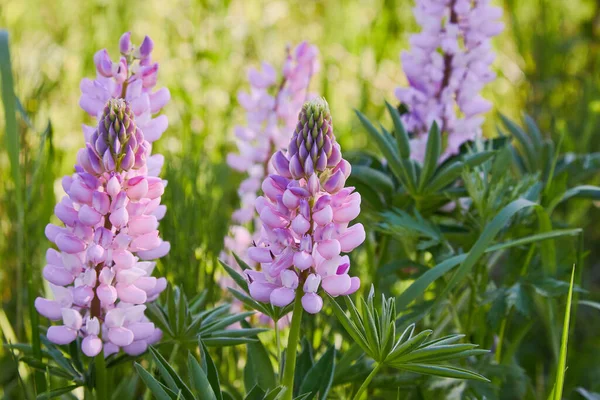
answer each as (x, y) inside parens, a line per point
(320, 377)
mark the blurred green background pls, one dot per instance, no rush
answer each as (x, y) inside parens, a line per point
(547, 65)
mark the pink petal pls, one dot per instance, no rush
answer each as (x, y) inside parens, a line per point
(91, 345)
(120, 336)
(336, 285)
(312, 303)
(61, 334)
(282, 296)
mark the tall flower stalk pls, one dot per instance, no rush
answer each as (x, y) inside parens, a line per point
(447, 67)
(305, 214)
(101, 270)
(272, 108)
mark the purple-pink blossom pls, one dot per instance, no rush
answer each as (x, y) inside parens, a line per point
(305, 214)
(272, 108)
(447, 67)
(100, 273)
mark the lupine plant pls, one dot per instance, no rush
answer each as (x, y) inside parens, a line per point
(443, 259)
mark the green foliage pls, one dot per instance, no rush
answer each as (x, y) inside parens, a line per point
(374, 330)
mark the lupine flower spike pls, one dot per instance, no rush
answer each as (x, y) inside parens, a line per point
(305, 214)
(447, 67)
(270, 118)
(101, 272)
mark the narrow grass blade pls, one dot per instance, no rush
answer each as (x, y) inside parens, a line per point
(562, 359)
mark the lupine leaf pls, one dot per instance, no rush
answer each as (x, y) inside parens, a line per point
(57, 392)
(388, 152)
(171, 378)
(243, 265)
(59, 358)
(239, 279)
(211, 370)
(249, 301)
(199, 380)
(373, 178)
(408, 346)
(447, 371)
(226, 341)
(320, 377)
(432, 155)
(445, 176)
(401, 136)
(356, 334)
(523, 139)
(160, 391)
(258, 370)
(256, 393)
(430, 353)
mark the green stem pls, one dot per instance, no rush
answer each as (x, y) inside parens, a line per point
(367, 381)
(101, 386)
(501, 338)
(290, 352)
(278, 355)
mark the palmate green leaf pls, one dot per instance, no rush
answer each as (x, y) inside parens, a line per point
(432, 155)
(56, 392)
(409, 345)
(446, 371)
(256, 393)
(350, 327)
(218, 324)
(419, 286)
(374, 179)
(226, 341)
(160, 391)
(42, 366)
(431, 353)
(320, 377)
(236, 276)
(484, 241)
(389, 152)
(536, 136)
(199, 380)
(445, 176)
(402, 140)
(211, 370)
(530, 158)
(249, 301)
(60, 359)
(158, 317)
(171, 378)
(259, 369)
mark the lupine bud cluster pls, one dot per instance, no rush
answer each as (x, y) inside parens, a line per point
(447, 67)
(133, 78)
(270, 117)
(305, 214)
(100, 273)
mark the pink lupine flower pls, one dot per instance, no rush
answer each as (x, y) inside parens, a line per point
(447, 67)
(305, 214)
(101, 274)
(272, 108)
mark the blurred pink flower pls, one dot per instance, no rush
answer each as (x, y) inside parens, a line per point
(447, 67)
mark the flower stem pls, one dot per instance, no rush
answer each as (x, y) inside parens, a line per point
(101, 386)
(290, 352)
(367, 381)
